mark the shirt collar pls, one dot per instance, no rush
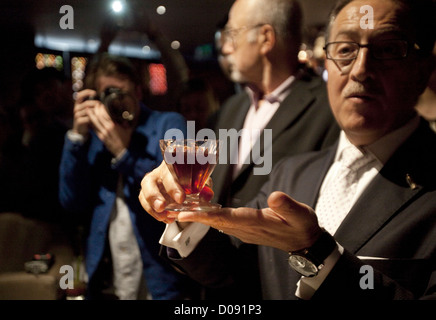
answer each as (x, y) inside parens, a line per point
(385, 147)
(278, 95)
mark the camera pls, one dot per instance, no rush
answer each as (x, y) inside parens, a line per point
(119, 104)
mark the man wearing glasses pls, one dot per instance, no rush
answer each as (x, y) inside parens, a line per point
(365, 234)
(261, 41)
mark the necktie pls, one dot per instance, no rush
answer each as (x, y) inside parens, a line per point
(336, 199)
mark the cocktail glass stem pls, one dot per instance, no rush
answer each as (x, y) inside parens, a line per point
(192, 198)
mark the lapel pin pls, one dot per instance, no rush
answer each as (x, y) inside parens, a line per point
(411, 183)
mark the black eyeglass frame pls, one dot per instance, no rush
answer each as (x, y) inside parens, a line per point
(407, 48)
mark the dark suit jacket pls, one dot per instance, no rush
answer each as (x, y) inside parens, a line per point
(393, 219)
(302, 123)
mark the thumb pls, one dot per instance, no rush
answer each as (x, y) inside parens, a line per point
(290, 209)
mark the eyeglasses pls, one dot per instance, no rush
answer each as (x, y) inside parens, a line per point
(229, 34)
(343, 53)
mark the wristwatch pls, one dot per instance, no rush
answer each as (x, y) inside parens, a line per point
(309, 261)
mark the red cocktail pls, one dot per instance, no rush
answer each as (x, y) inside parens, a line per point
(191, 162)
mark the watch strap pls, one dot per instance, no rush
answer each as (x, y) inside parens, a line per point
(320, 250)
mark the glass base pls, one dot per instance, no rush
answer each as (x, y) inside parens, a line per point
(193, 206)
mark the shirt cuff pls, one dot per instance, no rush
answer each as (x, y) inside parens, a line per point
(184, 241)
(307, 287)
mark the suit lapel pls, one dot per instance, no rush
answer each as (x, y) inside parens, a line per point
(291, 107)
(380, 202)
(409, 172)
(234, 119)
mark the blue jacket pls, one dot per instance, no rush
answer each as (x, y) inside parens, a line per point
(88, 183)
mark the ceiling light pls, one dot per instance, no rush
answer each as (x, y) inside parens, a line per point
(117, 6)
(161, 10)
(175, 44)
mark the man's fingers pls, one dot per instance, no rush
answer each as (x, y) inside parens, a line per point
(100, 122)
(159, 203)
(170, 185)
(159, 214)
(219, 219)
(151, 193)
(84, 94)
(102, 113)
(147, 206)
(159, 188)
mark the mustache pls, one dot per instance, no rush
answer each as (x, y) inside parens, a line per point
(230, 59)
(358, 89)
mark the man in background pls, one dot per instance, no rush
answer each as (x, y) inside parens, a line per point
(260, 44)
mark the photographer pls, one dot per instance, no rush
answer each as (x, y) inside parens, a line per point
(114, 141)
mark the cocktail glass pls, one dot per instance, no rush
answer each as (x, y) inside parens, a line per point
(191, 162)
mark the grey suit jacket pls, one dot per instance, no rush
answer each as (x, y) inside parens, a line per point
(394, 219)
(393, 223)
(302, 123)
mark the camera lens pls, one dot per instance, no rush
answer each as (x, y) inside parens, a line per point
(120, 105)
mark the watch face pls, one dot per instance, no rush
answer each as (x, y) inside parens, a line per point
(303, 266)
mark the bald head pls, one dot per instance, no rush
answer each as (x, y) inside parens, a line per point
(285, 16)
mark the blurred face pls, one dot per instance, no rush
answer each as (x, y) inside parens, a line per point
(105, 82)
(222, 58)
(240, 46)
(371, 97)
